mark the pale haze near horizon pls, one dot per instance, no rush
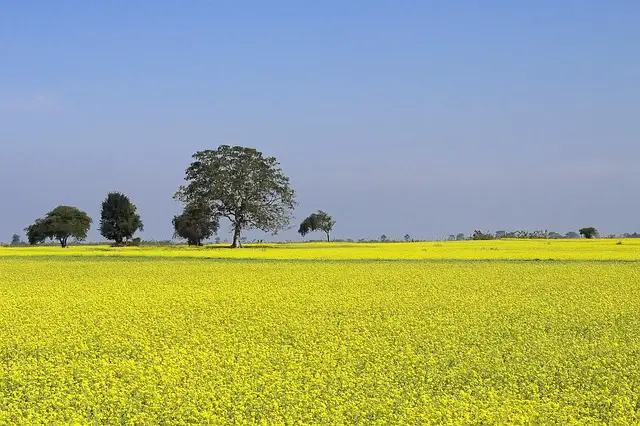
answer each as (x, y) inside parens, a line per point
(427, 118)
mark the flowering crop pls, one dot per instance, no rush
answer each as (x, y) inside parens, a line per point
(159, 340)
(598, 249)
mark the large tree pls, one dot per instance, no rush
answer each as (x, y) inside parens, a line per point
(119, 219)
(195, 224)
(60, 224)
(241, 185)
(318, 221)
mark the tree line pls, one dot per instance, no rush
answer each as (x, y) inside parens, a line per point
(236, 183)
(586, 232)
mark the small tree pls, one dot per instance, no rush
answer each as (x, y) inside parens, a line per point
(319, 221)
(589, 232)
(119, 218)
(60, 224)
(15, 240)
(195, 224)
(384, 238)
(407, 238)
(460, 237)
(241, 185)
(479, 235)
(572, 235)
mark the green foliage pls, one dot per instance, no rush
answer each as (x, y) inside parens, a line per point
(589, 232)
(36, 233)
(60, 224)
(195, 224)
(15, 240)
(241, 185)
(319, 221)
(119, 218)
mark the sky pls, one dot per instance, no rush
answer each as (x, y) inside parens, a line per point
(422, 117)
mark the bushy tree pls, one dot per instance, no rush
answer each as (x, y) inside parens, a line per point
(195, 224)
(241, 185)
(60, 224)
(318, 221)
(119, 219)
(15, 240)
(589, 232)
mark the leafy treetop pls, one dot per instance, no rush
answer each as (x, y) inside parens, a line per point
(119, 218)
(589, 232)
(195, 224)
(60, 224)
(319, 221)
(241, 185)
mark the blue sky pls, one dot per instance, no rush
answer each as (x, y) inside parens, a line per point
(420, 117)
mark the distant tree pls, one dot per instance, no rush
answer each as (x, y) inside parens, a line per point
(119, 219)
(501, 234)
(407, 238)
(479, 235)
(384, 238)
(589, 232)
(572, 235)
(460, 237)
(217, 240)
(60, 224)
(451, 237)
(241, 185)
(196, 223)
(554, 235)
(318, 221)
(15, 240)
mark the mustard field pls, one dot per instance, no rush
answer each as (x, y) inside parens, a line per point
(419, 333)
(599, 249)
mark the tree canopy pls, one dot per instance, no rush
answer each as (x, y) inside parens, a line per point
(589, 232)
(241, 185)
(195, 224)
(318, 221)
(119, 219)
(60, 224)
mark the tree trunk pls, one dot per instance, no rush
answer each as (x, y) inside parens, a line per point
(236, 237)
(328, 238)
(63, 242)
